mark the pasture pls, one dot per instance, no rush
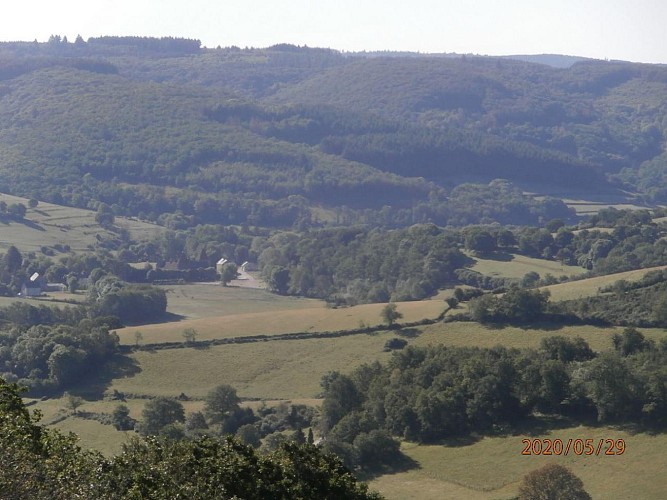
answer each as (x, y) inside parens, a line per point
(516, 266)
(282, 369)
(589, 207)
(48, 225)
(285, 318)
(590, 286)
(204, 300)
(468, 334)
(492, 467)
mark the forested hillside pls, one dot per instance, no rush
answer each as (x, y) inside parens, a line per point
(297, 137)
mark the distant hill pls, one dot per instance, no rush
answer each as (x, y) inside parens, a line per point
(164, 129)
(553, 60)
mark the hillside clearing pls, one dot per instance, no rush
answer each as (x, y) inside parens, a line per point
(590, 286)
(518, 265)
(48, 225)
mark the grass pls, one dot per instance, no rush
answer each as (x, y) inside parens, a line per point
(493, 467)
(466, 334)
(590, 286)
(314, 318)
(516, 266)
(49, 225)
(588, 207)
(50, 299)
(266, 370)
(203, 300)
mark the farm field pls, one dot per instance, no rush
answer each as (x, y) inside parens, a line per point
(589, 207)
(590, 286)
(464, 334)
(518, 265)
(49, 225)
(314, 318)
(204, 300)
(283, 369)
(50, 299)
(493, 467)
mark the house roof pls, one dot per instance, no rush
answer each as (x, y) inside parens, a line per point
(221, 262)
(34, 277)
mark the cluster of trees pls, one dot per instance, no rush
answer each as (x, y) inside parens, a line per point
(428, 394)
(110, 296)
(641, 304)
(222, 415)
(516, 305)
(47, 358)
(611, 241)
(360, 265)
(43, 463)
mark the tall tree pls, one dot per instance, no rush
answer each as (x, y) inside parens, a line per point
(159, 413)
(220, 403)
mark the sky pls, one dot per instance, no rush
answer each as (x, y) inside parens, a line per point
(602, 29)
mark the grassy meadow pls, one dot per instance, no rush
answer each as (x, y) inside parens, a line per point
(516, 266)
(49, 225)
(315, 317)
(590, 286)
(492, 467)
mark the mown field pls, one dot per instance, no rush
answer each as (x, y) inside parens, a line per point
(314, 318)
(48, 225)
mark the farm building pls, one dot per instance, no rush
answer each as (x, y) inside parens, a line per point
(219, 265)
(248, 266)
(31, 290)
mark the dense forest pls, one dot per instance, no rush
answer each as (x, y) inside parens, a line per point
(300, 137)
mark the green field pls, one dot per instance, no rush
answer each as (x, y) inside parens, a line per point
(519, 265)
(48, 225)
(283, 369)
(465, 334)
(275, 371)
(590, 286)
(493, 467)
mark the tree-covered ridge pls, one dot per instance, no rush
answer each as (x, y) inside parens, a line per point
(93, 137)
(242, 130)
(603, 114)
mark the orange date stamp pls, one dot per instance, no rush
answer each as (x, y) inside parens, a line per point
(579, 447)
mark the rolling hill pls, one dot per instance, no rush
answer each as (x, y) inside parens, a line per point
(272, 136)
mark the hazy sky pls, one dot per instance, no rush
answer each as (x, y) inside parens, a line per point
(614, 29)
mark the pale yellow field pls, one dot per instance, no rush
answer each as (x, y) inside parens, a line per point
(493, 467)
(49, 224)
(590, 286)
(520, 265)
(316, 318)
